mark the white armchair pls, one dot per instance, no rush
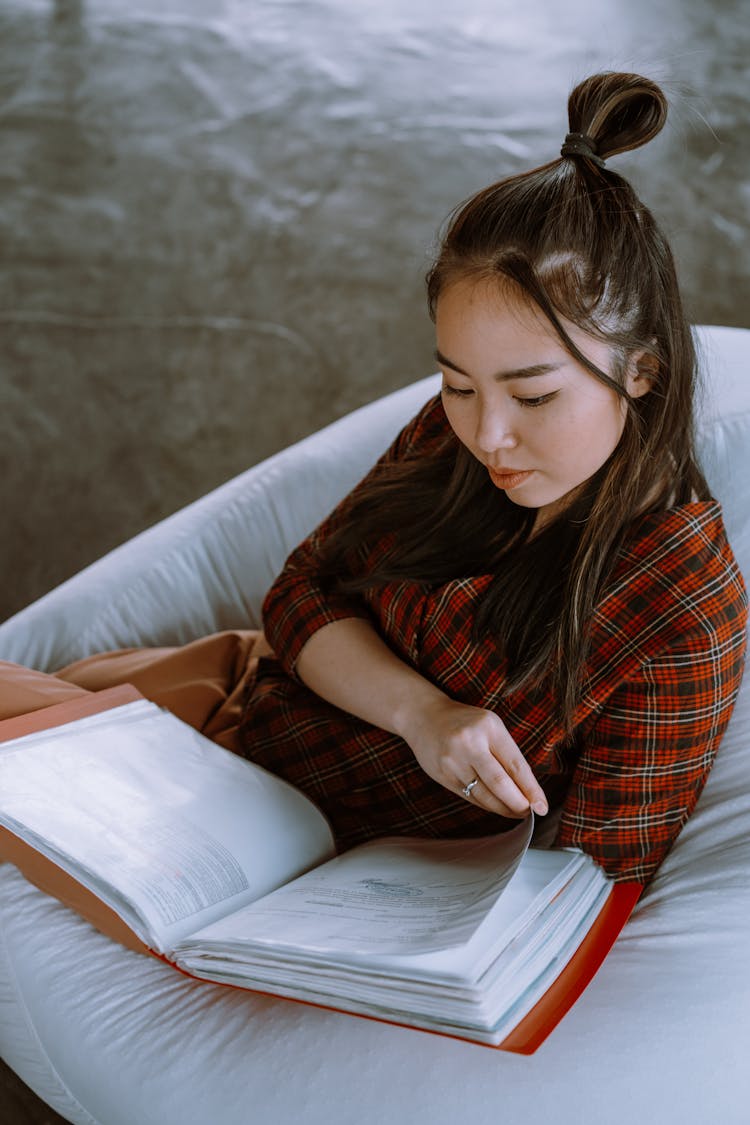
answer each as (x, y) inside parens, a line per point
(108, 1037)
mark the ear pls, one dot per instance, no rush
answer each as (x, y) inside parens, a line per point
(642, 372)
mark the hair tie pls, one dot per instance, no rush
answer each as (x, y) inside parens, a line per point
(580, 144)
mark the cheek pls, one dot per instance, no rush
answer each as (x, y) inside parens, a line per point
(610, 424)
(582, 438)
(459, 418)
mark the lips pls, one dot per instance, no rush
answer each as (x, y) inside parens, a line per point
(507, 479)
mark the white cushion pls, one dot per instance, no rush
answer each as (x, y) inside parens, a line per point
(109, 1037)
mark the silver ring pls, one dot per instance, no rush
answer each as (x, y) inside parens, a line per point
(468, 788)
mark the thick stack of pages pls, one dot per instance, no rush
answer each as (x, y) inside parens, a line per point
(367, 935)
(177, 847)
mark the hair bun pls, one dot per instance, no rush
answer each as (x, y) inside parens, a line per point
(617, 111)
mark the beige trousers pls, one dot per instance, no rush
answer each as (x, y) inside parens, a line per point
(204, 682)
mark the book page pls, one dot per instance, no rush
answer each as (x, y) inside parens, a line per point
(479, 990)
(155, 817)
(395, 895)
(540, 876)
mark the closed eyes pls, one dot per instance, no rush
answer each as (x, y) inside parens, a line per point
(536, 400)
(539, 400)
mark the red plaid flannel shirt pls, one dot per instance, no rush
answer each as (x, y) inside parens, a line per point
(666, 662)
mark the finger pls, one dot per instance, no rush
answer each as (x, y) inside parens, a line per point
(518, 771)
(483, 797)
(502, 788)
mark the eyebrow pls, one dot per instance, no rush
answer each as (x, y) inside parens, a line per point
(502, 376)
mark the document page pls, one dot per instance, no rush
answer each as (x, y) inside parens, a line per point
(396, 895)
(157, 816)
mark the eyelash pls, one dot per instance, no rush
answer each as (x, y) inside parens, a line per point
(531, 403)
(538, 401)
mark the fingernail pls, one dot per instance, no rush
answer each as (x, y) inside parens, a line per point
(540, 807)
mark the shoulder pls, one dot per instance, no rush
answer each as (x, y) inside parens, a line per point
(682, 550)
(676, 580)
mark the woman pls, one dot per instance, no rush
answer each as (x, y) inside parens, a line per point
(530, 600)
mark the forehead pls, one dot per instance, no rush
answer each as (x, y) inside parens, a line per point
(485, 315)
(498, 294)
(489, 326)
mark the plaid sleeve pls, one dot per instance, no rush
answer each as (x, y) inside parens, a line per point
(649, 752)
(296, 606)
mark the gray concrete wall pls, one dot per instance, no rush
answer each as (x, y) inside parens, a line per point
(215, 217)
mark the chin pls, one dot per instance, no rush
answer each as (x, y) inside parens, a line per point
(532, 501)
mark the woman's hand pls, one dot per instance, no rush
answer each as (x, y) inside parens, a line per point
(455, 743)
(348, 663)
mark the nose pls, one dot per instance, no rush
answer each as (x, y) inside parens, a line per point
(494, 429)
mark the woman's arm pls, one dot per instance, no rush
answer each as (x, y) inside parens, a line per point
(327, 640)
(647, 757)
(348, 664)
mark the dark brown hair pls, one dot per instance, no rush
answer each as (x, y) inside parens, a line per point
(574, 238)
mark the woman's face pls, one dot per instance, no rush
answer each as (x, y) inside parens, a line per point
(535, 417)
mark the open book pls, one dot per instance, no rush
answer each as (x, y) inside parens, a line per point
(174, 846)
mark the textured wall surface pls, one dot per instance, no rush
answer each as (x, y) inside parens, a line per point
(215, 217)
